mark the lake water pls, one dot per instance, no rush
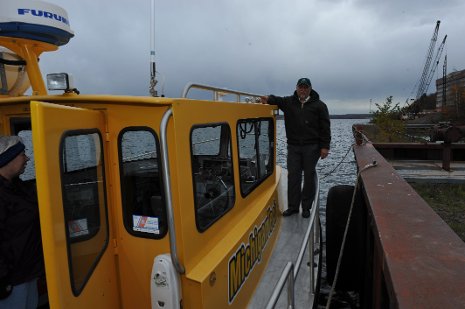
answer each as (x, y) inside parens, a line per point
(338, 168)
(341, 142)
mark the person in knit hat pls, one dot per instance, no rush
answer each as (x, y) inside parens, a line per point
(21, 255)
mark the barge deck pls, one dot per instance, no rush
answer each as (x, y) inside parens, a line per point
(412, 258)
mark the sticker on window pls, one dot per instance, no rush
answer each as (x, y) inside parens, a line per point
(145, 224)
(78, 228)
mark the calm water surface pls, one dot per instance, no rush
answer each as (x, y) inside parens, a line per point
(338, 168)
(341, 141)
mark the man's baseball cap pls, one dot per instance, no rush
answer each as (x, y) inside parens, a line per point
(304, 81)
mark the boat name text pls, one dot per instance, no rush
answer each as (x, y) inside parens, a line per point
(248, 255)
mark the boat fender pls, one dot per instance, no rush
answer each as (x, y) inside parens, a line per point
(165, 287)
(337, 209)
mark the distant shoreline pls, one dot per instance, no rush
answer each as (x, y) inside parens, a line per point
(351, 116)
(345, 116)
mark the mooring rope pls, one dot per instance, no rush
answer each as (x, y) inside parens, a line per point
(336, 166)
(340, 162)
(341, 251)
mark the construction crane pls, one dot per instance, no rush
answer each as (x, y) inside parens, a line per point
(429, 56)
(444, 83)
(435, 64)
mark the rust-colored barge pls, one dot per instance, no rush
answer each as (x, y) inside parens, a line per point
(409, 257)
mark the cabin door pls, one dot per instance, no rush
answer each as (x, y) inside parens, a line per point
(70, 160)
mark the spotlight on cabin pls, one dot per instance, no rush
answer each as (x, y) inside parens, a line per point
(61, 81)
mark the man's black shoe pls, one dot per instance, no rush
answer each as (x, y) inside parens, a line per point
(305, 213)
(289, 212)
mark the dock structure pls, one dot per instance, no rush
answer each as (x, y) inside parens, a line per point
(426, 162)
(422, 171)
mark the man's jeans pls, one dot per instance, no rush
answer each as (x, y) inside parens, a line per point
(23, 296)
(301, 158)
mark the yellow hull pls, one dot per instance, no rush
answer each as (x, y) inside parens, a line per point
(222, 263)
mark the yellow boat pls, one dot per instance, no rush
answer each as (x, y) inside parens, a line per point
(145, 202)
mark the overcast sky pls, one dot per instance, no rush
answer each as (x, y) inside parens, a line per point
(353, 51)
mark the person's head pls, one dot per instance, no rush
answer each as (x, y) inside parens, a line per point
(303, 88)
(12, 157)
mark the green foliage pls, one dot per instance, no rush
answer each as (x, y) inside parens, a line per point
(387, 119)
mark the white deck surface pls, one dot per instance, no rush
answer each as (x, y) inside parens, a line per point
(289, 241)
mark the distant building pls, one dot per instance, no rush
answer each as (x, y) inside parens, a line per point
(454, 97)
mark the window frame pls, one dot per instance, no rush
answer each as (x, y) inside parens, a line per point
(78, 290)
(125, 218)
(225, 125)
(245, 193)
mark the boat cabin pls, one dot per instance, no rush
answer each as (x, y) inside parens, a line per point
(144, 201)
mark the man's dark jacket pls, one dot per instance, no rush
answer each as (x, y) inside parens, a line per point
(21, 256)
(305, 124)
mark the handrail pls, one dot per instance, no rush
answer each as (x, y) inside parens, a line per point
(312, 227)
(167, 188)
(218, 92)
(286, 275)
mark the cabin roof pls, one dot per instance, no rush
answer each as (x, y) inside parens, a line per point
(104, 99)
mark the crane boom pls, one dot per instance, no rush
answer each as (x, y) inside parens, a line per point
(429, 55)
(435, 64)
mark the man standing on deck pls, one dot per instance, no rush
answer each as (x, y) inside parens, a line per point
(21, 255)
(308, 133)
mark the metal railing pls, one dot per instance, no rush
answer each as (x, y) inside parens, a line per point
(165, 163)
(291, 270)
(220, 92)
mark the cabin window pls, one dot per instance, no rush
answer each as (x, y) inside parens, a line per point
(144, 211)
(212, 171)
(256, 155)
(84, 203)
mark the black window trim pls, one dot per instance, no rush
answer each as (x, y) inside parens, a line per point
(207, 125)
(272, 154)
(160, 176)
(77, 291)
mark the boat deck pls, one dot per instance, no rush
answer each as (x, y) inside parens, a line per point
(289, 241)
(429, 171)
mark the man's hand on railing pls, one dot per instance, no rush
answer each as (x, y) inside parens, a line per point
(264, 99)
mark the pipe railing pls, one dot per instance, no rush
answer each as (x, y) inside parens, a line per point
(167, 188)
(290, 272)
(219, 92)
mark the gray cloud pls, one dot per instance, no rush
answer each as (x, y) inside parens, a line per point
(353, 51)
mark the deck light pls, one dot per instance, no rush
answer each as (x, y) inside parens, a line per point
(61, 81)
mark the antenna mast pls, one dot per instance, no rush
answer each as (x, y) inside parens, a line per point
(153, 81)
